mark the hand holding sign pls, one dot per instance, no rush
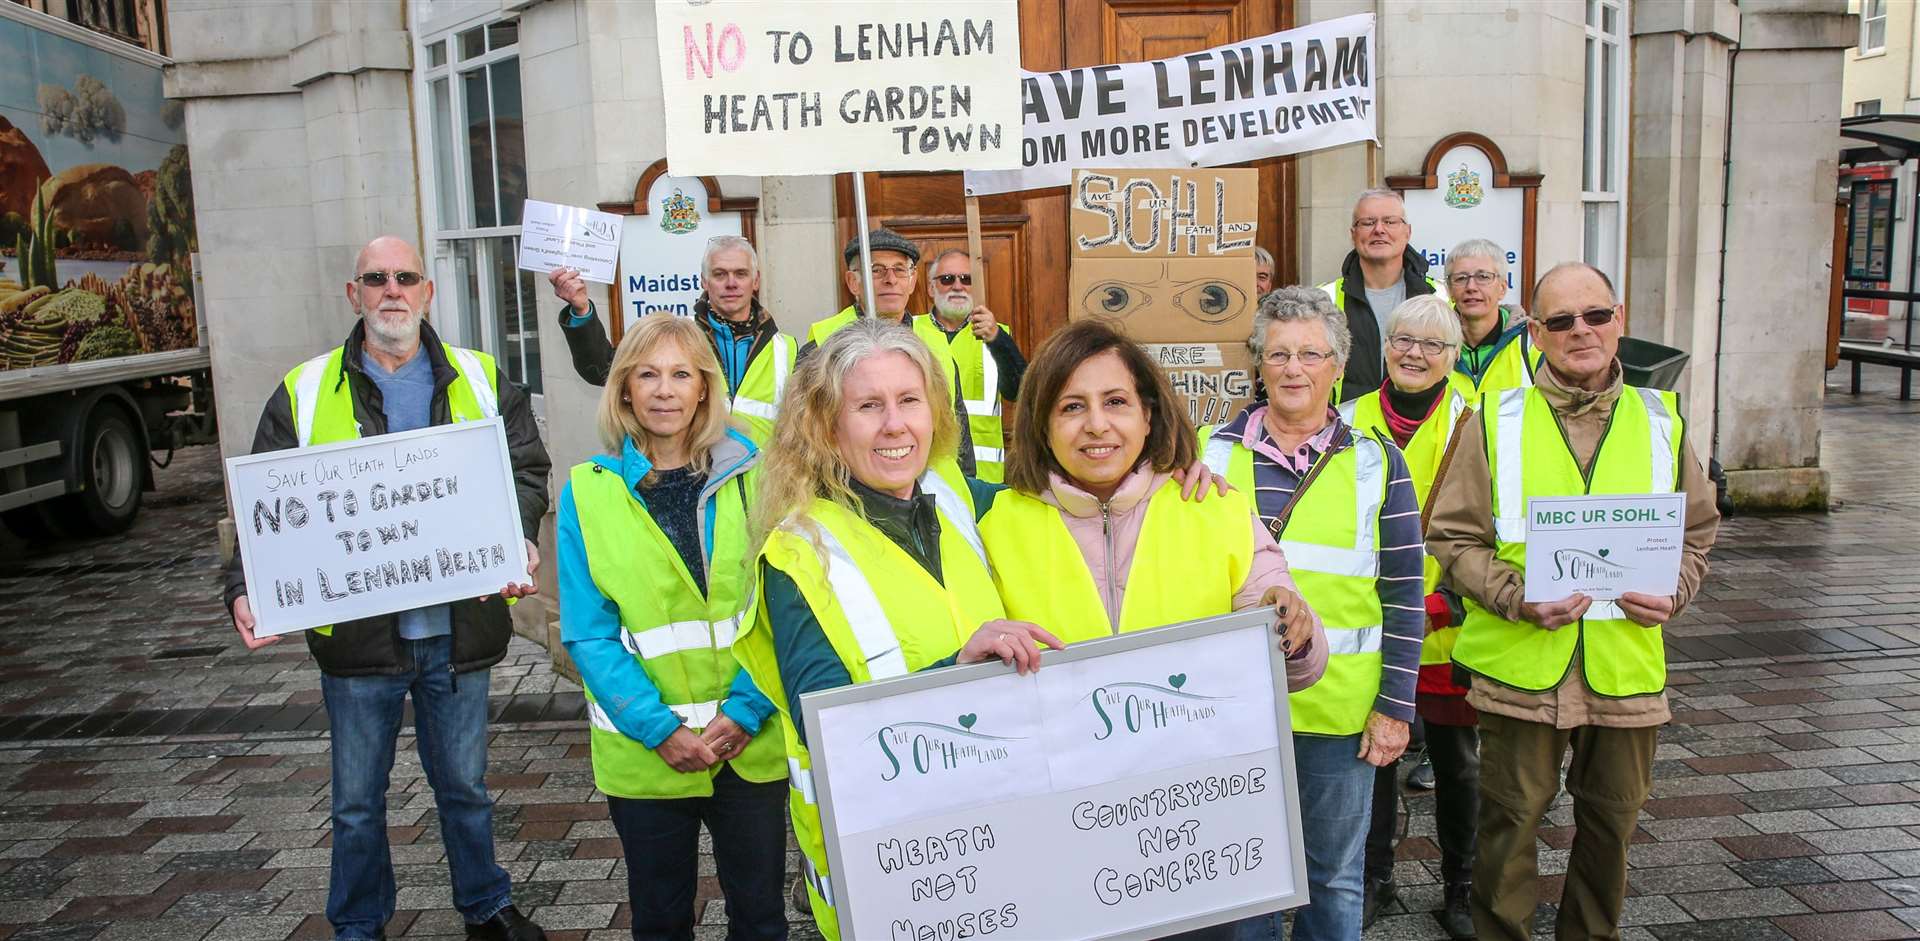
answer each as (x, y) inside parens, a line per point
(528, 588)
(244, 623)
(985, 327)
(570, 287)
(1646, 610)
(1015, 643)
(1554, 615)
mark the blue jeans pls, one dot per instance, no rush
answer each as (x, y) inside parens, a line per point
(1336, 797)
(450, 724)
(661, 840)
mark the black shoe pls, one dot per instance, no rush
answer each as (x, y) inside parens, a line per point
(1421, 778)
(1456, 918)
(1378, 894)
(507, 925)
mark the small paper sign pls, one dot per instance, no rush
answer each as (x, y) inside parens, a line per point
(1603, 547)
(555, 236)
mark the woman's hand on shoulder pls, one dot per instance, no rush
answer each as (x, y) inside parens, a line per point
(686, 752)
(1016, 643)
(1197, 479)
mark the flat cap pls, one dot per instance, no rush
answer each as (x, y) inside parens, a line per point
(883, 240)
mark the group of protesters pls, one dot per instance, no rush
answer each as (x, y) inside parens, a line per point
(772, 517)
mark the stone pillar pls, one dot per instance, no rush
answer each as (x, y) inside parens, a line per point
(1772, 339)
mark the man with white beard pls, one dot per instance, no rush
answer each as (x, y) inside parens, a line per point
(989, 362)
(394, 374)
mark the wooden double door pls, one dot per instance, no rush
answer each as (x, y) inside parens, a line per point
(1024, 235)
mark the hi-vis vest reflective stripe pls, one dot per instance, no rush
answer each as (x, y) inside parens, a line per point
(884, 615)
(1638, 453)
(1188, 561)
(979, 389)
(757, 401)
(1332, 545)
(323, 405)
(1423, 452)
(683, 640)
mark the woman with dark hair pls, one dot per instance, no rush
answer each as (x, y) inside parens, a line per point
(1093, 538)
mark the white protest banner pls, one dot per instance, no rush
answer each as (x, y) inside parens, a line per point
(661, 252)
(776, 88)
(1134, 787)
(1603, 547)
(555, 236)
(1283, 93)
(335, 532)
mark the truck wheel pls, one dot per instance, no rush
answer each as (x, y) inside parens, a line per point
(111, 464)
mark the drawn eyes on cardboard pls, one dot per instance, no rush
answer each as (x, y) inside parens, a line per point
(1209, 301)
(1115, 300)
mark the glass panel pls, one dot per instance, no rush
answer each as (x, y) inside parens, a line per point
(445, 185)
(503, 34)
(464, 289)
(479, 148)
(509, 140)
(1609, 20)
(1609, 117)
(473, 42)
(1592, 14)
(437, 54)
(1586, 143)
(1601, 235)
(515, 324)
(1877, 33)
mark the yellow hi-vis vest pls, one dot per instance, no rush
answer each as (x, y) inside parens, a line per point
(1334, 290)
(1527, 453)
(942, 356)
(757, 402)
(322, 402)
(1512, 368)
(682, 639)
(885, 617)
(1332, 545)
(1188, 562)
(1423, 452)
(980, 388)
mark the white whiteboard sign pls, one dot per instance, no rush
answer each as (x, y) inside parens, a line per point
(1132, 788)
(335, 532)
(660, 252)
(777, 88)
(1467, 205)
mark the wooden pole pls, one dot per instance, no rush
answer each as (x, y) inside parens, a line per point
(979, 266)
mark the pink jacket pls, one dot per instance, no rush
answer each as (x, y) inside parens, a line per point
(1080, 510)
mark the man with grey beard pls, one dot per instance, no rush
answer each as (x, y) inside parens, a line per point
(989, 362)
(394, 374)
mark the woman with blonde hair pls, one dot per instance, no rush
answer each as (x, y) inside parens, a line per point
(872, 566)
(654, 555)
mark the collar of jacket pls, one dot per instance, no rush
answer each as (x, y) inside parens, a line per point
(732, 456)
(897, 517)
(1570, 401)
(1139, 484)
(1514, 325)
(1413, 270)
(1246, 428)
(443, 372)
(758, 320)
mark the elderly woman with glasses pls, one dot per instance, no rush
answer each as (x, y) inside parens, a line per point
(1496, 352)
(1420, 407)
(1341, 504)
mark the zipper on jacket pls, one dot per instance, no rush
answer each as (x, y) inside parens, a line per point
(1106, 533)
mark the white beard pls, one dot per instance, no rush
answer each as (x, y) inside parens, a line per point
(391, 335)
(954, 310)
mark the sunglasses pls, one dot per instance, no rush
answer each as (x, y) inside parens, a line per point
(378, 279)
(1561, 323)
(946, 280)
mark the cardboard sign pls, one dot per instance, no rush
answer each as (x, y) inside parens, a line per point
(1166, 256)
(766, 88)
(335, 532)
(1137, 787)
(661, 252)
(1283, 93)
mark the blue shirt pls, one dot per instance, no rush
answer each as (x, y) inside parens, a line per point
(406, 395)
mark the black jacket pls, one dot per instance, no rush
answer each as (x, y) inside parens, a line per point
(593, 352)
(1367, 364)
(481, 629)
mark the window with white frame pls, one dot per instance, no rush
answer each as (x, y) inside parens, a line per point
(1866, 108)
(1603, 173)
(474, 184)
(1873, 26)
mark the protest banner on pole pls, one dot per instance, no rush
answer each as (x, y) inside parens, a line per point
(774, 88)
(1166, 257)
(1136, 787)
(335, 532)
(1283, 93)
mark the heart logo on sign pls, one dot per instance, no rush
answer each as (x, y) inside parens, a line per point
(967, 721)
(1178, 680)
(1603, 553)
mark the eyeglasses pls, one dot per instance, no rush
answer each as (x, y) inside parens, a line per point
(1307, 358)
(946, 280)
(1482, 278)
(1561, 323)
(1402, 343)
(896, 272)
(1391, 222)
(378, 279)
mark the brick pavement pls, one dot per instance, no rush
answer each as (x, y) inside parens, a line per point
(185, 798)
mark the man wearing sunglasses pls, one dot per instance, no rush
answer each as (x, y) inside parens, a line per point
(1576, 673)
(1497, 354)
(393, 373)
(895, 258)
(1377, 275)
(754, 355)
(990, 363)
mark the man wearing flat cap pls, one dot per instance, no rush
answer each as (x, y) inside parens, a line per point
(895, 265)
